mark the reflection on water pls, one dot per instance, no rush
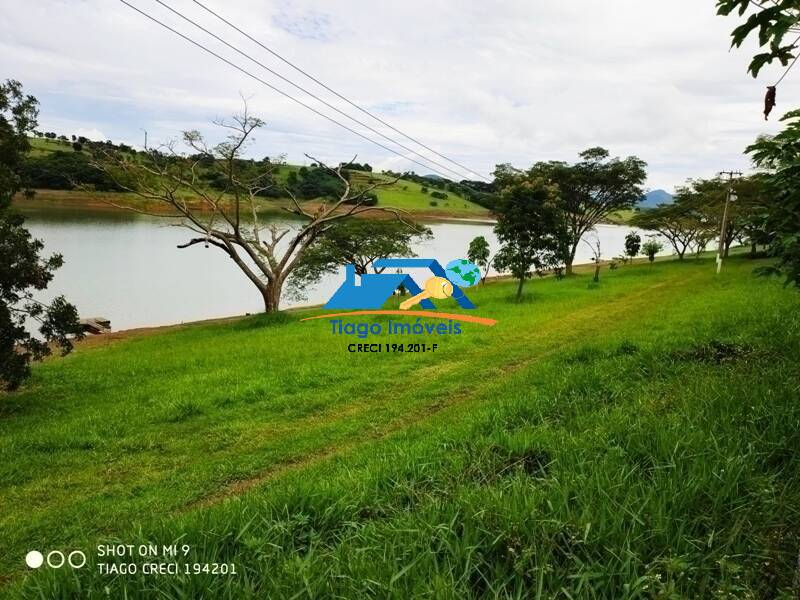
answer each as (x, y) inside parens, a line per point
(126, 267)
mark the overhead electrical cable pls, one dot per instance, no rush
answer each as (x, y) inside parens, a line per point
(278, 90)
(786, 72)
(337, 94)
(302, 89)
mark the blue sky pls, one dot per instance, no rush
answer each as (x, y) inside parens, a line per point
(485, 83)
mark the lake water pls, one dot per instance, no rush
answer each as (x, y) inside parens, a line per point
(126, 267)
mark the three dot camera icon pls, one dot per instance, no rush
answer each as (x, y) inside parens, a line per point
(55, 559)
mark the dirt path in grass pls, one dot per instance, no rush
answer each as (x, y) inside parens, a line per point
(576, 326)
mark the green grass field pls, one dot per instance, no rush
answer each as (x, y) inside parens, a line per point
(633, 439)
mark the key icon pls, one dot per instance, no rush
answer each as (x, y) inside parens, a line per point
(435, 287)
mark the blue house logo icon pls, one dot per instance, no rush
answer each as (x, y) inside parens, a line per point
(373, 289)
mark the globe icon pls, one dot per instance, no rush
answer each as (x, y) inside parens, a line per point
(463, 273)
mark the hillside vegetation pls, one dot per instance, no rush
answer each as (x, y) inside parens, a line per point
(636, 438)
(54, 164)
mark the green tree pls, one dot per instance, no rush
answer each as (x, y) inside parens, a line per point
(530, 227)
(755, 226)
(633, 241)
(650, 248)
(23, 271)
(61, 170)
(479, 254)
(591, 189)
(358, 242)
(778, 156)
(744, 214)
(680, 222)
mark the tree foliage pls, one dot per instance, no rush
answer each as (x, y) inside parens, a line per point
(479, 253)
(779, 156)
(588, 190)
(61, 170)
(316, 182)
(358, 242)
(23, 271)
(771, 21)
(633, 241)
(695, 217)
(354, 166)
(530, 226)
(652, 247)
(745, 220)
(679, 222)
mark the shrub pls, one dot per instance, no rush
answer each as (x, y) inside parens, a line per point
(650, 248)
(439, 195)
(63, 171)
(369, 199)
(434, 203)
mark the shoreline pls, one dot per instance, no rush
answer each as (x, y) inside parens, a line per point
(93, 340)
(78, 201)
(125, 202)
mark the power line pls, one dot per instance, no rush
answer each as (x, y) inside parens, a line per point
(337, 94)
(786, 72)
(278, 90)
(302, 89)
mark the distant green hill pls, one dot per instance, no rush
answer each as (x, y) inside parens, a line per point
(655, 197)
(402, 194)
(408, 195)
(42, 146)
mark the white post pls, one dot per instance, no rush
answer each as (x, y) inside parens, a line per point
(731, 197)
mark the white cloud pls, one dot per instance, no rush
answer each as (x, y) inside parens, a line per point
(517, 81)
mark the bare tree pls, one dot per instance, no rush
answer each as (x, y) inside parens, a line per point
(596, 256)
(228, 218)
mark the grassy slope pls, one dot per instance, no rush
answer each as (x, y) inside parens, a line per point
(44, 146)
(408, 195)
(598, 440)
(404, 195)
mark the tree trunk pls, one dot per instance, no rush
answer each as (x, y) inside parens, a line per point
(597, 272)
(272, 296)
(753, 249)
(570, 259)
(519, 287)
(728, 243)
